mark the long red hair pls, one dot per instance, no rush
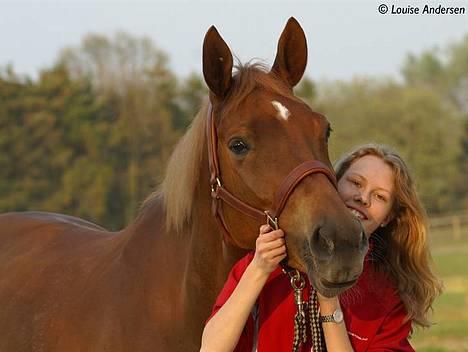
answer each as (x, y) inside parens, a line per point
(400, 249)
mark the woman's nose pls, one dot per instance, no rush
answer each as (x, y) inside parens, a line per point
(362, 198)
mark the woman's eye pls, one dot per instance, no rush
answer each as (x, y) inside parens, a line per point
(381, 197)
(238, 147)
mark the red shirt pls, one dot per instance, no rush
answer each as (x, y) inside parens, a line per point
(373, 313)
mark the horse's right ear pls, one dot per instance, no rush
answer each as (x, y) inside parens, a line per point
(217, 63)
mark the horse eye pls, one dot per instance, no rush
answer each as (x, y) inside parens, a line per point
(238, 147)
(328, 133)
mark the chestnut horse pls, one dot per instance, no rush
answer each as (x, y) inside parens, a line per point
(69, 285)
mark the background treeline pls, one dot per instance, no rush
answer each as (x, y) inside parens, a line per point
(91, 135)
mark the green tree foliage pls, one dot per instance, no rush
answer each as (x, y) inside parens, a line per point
(152, 108)
(307, 90)
(192, 93)
(92, 135)
(47, 129)
(133, 74)
(445, 72)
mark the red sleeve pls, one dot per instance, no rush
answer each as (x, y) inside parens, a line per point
(246, 339)
(392, 335)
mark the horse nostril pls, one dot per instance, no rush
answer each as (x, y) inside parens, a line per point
(322, 246)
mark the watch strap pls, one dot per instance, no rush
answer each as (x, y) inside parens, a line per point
(327, 319)
(336, 317)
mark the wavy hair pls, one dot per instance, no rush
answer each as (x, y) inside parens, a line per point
(400, 249)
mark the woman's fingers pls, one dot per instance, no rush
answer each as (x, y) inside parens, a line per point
(271, 235)
(270, 248)
(277, 252)
(269, 245)
(265, 228)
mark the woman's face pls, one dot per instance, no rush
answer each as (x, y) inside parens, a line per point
(367, 189)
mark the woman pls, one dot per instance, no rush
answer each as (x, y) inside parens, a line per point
(394, 293)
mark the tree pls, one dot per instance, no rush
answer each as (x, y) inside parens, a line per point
(192, 92)
(133, 74)
(46, 134)
(307, 90)
(445, 72)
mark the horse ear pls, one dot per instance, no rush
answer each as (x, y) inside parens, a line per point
(217, 63)
(291, 55)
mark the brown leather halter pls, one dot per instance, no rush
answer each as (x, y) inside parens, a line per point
(219, 193)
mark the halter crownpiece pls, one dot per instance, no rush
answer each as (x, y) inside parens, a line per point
(220, 193)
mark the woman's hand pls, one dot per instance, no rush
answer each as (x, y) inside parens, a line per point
(270, 249)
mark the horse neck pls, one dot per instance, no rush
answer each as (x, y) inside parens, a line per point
(210, 258)
(195, 260)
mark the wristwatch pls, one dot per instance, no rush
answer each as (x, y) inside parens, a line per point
(336, 317)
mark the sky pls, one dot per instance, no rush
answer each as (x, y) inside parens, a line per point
(345, 38)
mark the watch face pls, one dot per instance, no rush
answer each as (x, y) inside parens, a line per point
(338, 315)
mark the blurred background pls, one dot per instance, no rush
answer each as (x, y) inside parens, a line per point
(95, 94)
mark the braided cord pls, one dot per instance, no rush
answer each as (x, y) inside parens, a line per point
(315, 326)
(302, 308)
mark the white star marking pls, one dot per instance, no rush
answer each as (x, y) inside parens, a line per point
(283, 112)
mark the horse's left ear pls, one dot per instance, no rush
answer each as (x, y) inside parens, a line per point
(291, 55)
(217, 63)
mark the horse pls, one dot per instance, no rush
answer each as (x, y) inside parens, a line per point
(67, 284)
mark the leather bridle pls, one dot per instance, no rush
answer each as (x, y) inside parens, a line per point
(220, 193)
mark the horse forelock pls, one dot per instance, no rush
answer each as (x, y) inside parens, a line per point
(183, 169)
(251, 76)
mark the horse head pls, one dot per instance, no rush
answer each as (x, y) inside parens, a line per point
(262, 132)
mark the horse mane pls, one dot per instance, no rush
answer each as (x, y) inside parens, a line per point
(183, 170)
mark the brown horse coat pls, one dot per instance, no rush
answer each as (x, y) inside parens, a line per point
(69, 285)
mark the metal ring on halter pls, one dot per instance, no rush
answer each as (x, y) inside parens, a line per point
(297, 281)
(272, 222)
(297, 278)
(218, 183)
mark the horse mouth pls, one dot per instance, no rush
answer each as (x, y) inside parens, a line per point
(331, 289)
(337, 285)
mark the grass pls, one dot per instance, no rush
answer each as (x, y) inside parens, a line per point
(450, 334)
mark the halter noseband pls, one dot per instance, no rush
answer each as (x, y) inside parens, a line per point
(219, 193)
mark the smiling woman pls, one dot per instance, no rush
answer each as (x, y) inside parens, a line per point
(394, 293)
(367, 189)
(398, 240)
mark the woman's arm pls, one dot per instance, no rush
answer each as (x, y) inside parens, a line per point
(336, 335)
(223, 330)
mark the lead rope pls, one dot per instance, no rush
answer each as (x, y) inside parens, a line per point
(300, 321)
(300, 325)
(315, 327)
(312, 307)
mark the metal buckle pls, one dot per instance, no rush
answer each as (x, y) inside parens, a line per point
(297, 281)
(218, 184)
(272, 222)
